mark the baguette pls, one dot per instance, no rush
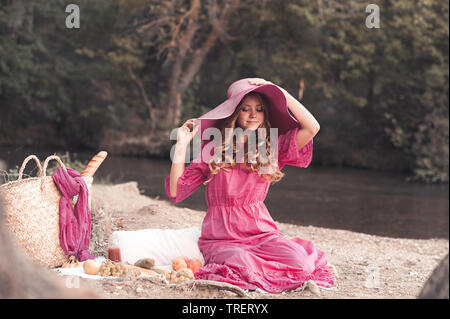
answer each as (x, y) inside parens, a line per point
(94, 164)
(160, 270)
(140, 269)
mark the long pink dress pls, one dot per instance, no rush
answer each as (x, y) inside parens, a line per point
(239, 241)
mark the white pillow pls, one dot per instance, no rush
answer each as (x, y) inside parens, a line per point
(163, 245)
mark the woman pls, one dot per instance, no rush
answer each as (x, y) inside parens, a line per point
(240, 242)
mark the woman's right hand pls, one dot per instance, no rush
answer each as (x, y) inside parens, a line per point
(185, 135)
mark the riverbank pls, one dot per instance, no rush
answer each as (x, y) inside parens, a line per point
(369, 266)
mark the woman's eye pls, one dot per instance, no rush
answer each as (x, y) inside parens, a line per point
(246, 110)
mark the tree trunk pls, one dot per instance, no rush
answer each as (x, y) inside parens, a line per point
(173, 101)
(148, 104)
(183, 73)
(184, 44)
(437, 285)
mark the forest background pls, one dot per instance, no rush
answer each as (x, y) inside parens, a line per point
(136, 69)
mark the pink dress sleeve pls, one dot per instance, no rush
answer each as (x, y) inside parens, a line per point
(193, 176)
(288, 152)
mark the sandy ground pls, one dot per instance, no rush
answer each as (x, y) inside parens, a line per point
(369, 266)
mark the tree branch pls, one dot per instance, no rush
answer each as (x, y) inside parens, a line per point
(142, 92)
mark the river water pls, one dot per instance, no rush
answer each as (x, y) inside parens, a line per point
(363, 201)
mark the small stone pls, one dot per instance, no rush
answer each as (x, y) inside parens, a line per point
(312, 286)
(146, 263)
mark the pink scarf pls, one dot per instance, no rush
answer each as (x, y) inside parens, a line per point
(74, 224)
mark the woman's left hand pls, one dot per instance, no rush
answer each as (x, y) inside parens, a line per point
(258, 81)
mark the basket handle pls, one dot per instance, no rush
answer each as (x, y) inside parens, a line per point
(38, 164)
(53, 157)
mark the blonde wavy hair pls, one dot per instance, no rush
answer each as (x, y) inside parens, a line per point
(224, 161)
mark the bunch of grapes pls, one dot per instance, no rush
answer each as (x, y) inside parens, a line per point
(178, 276)
(110, 268)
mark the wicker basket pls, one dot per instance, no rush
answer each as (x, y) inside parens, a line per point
(31, 208)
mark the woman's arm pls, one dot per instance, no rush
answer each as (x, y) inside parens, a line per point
(177, 168)
(184, 137)
(309, 125)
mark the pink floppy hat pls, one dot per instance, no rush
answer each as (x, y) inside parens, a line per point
(279, 116)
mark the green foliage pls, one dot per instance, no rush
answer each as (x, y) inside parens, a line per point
(10, 175)
(43, 81)
(380, 95)
(413, 85)
(192, 106)
(69, 161)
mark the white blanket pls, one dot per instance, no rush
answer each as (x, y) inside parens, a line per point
(163, 245)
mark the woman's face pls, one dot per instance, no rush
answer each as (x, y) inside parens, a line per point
(251, 115)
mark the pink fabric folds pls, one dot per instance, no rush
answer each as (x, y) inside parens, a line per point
(290, 154)
(74, 224)
(194, 175)
(240, 241)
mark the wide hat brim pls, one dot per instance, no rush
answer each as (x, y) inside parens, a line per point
(279, 115)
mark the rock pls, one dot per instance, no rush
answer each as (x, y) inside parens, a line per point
(146, 263)
(312, 286)
(437, 285)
